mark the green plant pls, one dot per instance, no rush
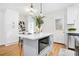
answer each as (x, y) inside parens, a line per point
(72, 29)
(39, 21)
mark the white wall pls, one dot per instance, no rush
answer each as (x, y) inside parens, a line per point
(2, 41)
(49, 23)
(0, 27)
(8, 26)
(11, 26)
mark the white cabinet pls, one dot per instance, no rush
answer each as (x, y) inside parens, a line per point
(72, 18)
(72, 42)
(71, 15)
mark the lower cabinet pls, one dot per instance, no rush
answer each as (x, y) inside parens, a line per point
(72, 42)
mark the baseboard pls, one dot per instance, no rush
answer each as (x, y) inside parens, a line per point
(8, 44)
(2, 45)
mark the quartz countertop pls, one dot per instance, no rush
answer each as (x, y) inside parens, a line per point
(35, 36)
(73, 32)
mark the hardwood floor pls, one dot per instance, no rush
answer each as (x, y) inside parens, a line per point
(56, 48)
(11, 50)
(16, 50)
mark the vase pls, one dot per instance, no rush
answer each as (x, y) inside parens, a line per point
(38, 30)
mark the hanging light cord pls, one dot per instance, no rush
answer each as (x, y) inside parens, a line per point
(41, 8)
(31, 5)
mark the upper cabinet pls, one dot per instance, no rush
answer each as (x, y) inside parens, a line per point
(71, 14)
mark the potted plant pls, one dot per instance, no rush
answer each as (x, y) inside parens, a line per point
(39, 22)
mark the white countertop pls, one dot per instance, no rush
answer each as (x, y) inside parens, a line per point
(35, 36)
(73, 32)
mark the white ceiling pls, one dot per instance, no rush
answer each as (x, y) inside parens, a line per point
(47, 7)
(51, 7)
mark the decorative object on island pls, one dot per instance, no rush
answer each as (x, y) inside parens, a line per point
(72, 29)
(39, 22)
(30, 19)
(34, 20)
(22, 27)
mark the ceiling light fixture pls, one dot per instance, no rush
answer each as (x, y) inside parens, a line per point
(31, 11)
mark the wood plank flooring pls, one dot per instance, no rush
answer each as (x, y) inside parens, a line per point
(16, 50)
(11, 50)
(56, 48)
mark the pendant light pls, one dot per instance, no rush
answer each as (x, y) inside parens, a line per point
(40, 7)
(41, 10)
(31, 11)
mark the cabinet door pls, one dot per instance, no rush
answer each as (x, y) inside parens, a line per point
(11, 26)
(71, 15)
(72, 42)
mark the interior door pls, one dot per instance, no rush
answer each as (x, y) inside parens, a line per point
(11, 26)
(59, 30)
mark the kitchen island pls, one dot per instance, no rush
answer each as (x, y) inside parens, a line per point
(36, 44)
